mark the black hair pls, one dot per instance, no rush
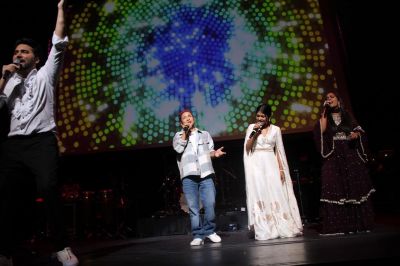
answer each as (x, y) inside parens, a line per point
(348, 122)
(36, 47)
(265, 109)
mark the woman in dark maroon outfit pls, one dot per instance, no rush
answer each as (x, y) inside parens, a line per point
(345, 203)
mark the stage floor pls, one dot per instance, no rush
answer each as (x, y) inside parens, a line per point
(381, 246)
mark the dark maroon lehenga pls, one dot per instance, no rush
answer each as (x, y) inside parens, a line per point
(346, 188)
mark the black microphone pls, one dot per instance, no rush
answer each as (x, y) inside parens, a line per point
(187, 131)
(256, 130)
(7, 73)
(326, 104)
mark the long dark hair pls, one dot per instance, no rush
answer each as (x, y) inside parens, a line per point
(347, 124)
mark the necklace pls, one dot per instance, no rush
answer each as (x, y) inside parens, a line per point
(337, 118)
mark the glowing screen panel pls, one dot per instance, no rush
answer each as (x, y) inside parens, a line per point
(131, 66)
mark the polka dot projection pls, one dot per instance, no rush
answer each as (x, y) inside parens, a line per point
(132, 66)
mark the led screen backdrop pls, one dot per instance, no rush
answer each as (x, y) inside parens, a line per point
(132, 66)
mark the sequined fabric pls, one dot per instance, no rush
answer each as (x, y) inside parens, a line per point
(346, 188)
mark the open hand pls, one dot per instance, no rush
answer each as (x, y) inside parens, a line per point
(219, 152)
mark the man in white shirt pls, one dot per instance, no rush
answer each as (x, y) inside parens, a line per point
(31, 146)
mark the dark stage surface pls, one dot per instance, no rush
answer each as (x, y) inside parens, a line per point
(380, 246)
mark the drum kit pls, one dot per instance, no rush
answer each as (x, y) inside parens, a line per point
(96, 210)
(73, 192)
(174, 198)
(171, 190)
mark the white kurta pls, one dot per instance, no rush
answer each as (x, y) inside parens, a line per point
(272, 206)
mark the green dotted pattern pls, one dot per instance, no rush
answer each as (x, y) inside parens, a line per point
(111, 84)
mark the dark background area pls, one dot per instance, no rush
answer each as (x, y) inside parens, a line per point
(133, 184)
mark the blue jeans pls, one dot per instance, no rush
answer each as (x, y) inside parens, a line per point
(204, 191)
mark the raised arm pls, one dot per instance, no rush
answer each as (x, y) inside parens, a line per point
(60, 23)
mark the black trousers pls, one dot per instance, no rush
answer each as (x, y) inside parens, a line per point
(22, 159)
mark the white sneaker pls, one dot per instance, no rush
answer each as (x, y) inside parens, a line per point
(197, 242)
(4, 261)
(214, 238)
(67, 258)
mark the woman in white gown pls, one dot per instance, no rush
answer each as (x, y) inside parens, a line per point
(271, 203)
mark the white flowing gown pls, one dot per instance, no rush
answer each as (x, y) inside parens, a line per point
(271, 205)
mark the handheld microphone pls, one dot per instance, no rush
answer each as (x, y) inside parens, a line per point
(8, 73)
(17, 62)
(326, 104)
(187, 131)
(256, 130)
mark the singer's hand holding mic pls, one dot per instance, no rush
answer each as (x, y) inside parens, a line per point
(326, 107)
(256, 129)
(8, 70)
(186, 129)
